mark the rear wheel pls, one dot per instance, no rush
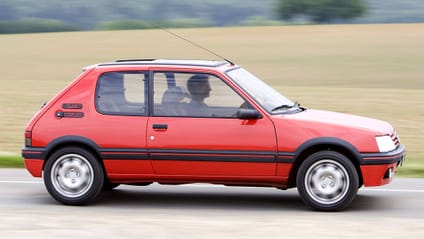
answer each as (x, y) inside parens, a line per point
(327, 181)
(73, 176)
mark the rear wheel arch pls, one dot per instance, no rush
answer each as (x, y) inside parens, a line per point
(74, 141)
(324, 144)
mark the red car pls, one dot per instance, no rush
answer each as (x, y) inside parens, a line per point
(189, 121)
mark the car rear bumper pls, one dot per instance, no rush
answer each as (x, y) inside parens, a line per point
(378, 168)
(33, 160)
(34, 166)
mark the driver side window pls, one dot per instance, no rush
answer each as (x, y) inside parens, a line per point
(184, 94)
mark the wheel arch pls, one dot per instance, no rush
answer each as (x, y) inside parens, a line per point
(68, 141)
(323, 144)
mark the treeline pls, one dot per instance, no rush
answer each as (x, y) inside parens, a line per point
(393, 11)
(21, 16)
(127, 14)
(32, 25)
(35, 25)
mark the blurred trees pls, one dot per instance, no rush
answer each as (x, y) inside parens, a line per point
(140, 24)
(321, 11)
(30, 25)
(18, 16)
(94, 13)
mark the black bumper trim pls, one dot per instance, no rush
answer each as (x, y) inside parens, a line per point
(395, 156)
(33, 153)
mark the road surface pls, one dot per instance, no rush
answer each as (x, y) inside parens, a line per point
(206, 211)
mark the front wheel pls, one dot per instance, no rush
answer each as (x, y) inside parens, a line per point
(73, 176)
(327, 181)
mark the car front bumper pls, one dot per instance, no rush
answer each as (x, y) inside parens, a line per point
(378, 168)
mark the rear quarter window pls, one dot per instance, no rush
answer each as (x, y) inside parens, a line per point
(122, 93)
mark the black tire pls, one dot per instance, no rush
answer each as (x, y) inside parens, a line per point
(327, 181)
(73, 176)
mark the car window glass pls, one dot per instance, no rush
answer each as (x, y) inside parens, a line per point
(194, 95)
(121, 93)
(266, 96)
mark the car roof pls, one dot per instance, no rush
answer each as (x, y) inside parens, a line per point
(177, 62)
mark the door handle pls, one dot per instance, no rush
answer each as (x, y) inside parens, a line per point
(160, 126)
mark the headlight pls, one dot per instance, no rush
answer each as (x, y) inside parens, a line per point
(385, 143)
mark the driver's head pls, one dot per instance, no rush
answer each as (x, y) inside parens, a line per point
(198, 86)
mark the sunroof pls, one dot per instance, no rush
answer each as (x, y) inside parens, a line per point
(206, 63)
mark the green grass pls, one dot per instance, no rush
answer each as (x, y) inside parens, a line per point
(410, 172)
(11, 161)
(369, 70)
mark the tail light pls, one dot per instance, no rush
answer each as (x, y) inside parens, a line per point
(28, 138)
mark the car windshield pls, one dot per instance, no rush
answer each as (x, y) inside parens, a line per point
(270, 99)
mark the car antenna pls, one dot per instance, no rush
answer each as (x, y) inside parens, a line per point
(195, 44)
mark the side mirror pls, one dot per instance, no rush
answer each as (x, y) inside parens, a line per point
(248, 114)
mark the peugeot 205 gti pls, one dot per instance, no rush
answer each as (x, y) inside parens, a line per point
(191, 121)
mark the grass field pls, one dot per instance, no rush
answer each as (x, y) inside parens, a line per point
(370, 70)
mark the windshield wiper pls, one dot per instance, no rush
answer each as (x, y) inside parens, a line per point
(285, 106)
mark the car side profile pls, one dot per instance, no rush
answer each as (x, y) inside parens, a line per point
(196, 121)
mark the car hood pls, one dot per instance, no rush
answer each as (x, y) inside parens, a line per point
(295, 129)
(341, 120)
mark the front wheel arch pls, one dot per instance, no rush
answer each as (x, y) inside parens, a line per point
(324, 144)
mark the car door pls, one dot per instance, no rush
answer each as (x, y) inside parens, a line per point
(205, 138)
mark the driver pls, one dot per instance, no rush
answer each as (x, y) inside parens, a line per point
(199, 88)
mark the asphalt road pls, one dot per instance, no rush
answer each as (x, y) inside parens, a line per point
(206, 211)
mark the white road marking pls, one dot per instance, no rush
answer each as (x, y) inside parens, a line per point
(393, 190)
(21, 182)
